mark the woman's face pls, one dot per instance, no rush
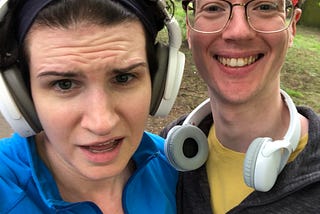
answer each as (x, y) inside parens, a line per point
(238, 63)
(91, 88)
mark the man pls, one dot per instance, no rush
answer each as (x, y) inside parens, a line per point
(264, 156)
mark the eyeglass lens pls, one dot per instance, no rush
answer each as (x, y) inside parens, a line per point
(267, 16)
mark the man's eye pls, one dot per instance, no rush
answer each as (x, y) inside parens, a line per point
(213, 8)
(267, 7)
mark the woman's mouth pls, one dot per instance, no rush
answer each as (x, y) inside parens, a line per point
(103, 147)
(101, 152)
(238, 62)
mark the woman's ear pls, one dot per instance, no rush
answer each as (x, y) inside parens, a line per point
(293, 26)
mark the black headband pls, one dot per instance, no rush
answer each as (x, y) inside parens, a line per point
(27, 14)
(144, 9)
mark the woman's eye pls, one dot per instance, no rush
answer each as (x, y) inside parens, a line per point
(64, 85)
(124, 78)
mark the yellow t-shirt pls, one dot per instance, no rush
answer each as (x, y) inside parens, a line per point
(225, 174)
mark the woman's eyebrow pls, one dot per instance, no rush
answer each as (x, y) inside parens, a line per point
(71, 74)
(60, 74)
(130, 67)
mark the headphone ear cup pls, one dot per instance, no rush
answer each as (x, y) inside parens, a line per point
(263, 162)
(159, 79)
(186, 147)
(166, 81)
(249, 165)
(24, 120)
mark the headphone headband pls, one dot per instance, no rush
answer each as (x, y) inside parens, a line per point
(293, 133)
(3, 8)
(199, 113)
(176, 61)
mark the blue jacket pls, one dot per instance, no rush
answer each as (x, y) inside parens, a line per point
(27, 186)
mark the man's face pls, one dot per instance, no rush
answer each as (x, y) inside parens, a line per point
(238, 62)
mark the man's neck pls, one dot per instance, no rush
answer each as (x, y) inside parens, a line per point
(237, 125)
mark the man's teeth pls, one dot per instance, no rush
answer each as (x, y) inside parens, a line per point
(237, 62)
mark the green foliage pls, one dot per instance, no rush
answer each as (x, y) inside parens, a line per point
(180, 16)
(311, 43)
(300, 75)
(311, 13)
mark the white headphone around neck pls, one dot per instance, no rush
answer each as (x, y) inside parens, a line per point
(186, 146)
(264, 159)
(17, 107)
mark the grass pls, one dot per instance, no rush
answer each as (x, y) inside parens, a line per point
(300, 75)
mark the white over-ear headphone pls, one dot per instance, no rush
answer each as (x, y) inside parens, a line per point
(186, 146)
(164, 96)
(264, 159)
(17, 107)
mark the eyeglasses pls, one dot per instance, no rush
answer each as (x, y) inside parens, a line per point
(264, 16)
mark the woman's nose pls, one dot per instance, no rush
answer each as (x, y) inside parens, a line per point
(100, 115)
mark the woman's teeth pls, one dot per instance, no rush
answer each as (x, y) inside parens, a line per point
(237, 62)
(103, 147)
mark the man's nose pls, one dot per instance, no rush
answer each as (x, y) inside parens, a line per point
(238, 27)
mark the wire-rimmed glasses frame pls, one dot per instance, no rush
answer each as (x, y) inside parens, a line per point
(213, 16)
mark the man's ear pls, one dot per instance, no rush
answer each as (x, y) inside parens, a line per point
(293, 26)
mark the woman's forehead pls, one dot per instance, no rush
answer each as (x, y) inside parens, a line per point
(88, 43)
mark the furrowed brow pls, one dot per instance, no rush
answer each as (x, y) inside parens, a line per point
(131, 67)
(66, 74)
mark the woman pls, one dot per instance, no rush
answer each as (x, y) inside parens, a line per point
(89, 65)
